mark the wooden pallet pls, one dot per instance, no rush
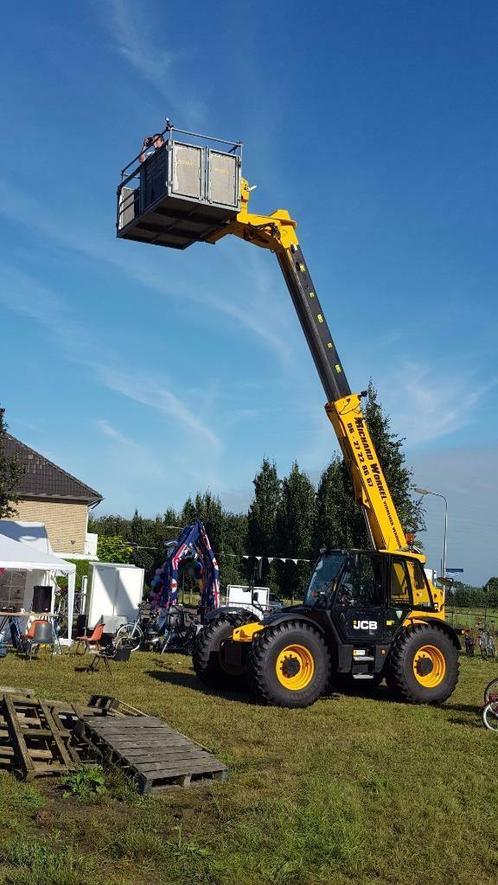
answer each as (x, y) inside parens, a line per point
(149, 751)
(33, 739)
(44, 737)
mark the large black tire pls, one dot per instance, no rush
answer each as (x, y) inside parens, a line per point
(207, 656)
(290, 652)
(423, 665)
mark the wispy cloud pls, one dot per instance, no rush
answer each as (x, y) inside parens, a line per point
(135, 46)
(152, 391)
(253, 317)
(22, 294)
(136, 456)
(132, 39)
(428, 404)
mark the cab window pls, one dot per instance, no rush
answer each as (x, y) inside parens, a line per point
(361, 584)
(409, 585)
(400, 584)
(422, 597)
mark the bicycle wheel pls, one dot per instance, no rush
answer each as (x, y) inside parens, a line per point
(491, 692)
(490, 716)
(129, 636)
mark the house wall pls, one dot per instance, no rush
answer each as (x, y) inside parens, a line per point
(66, 522)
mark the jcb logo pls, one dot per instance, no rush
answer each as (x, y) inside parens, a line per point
(364, 625)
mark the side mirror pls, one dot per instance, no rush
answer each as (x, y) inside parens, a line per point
(255, 596)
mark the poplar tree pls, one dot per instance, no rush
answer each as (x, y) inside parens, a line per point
(261, 520)
(294, 530)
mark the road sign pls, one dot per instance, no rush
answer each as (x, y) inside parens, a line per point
(455, 571)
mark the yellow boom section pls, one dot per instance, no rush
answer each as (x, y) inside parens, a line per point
(370, 486)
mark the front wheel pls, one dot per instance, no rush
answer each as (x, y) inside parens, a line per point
(129, 636)
(423, 665)
(490, 716)
(289, 664)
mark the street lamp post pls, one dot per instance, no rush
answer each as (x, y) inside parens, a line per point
(445, 531)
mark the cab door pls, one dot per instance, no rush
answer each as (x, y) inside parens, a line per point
(409, 588)
(360, 606)
(400, 592)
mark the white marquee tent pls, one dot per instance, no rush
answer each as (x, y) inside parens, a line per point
(15, 555)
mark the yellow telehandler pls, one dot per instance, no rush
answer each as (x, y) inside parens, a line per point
(367, 614)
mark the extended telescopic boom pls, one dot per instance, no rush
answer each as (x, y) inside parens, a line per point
(277, 232)
(186, 192)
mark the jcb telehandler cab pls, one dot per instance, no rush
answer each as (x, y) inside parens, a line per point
(367, 614)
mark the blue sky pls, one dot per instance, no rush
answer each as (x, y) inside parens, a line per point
(151, 374)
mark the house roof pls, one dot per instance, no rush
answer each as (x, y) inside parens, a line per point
(43, 479)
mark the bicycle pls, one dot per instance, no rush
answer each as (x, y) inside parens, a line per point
(490, 716)
(491, 692)
(486, 644)
(490, 709)
(180, 631)
(146, 632)
(131, 635)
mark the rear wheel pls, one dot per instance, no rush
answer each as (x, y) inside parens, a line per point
(210, 663)
(289, 664)
(491, 692)
(423, 665)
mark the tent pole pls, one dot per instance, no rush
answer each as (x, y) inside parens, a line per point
(71, 583)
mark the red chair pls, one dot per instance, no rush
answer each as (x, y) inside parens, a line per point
(88, 639)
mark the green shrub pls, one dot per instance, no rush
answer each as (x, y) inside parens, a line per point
(84, 785)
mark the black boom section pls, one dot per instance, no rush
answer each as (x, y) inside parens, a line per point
(313, 323)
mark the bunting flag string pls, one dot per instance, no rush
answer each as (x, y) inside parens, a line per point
(268, 559)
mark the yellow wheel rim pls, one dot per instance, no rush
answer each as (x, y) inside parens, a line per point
(295, 667)
(429, 666)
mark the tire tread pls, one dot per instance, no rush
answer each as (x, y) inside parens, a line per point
(396, 678)
(260, 646)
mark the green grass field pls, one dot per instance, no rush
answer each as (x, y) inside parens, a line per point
(353, 789)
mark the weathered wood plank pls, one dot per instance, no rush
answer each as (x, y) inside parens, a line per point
(135, 739)
(167, 758)
(178, 768)
(133, 721)
(19, 743)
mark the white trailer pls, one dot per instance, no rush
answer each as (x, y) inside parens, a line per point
(116, 590)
